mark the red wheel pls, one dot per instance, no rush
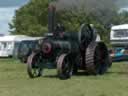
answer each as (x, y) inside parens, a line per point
(33, 68)
(64, 67)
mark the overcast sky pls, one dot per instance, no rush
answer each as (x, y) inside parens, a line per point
(12, 3)
(8, 7)
(7, 11)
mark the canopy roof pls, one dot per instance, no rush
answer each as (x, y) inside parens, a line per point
(117, 27)
(16, 38)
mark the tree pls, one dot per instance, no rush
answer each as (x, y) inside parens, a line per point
(31, 19)
(101, 13)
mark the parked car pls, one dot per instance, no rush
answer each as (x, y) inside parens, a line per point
(119, 54)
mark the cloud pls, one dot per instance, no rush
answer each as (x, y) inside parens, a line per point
(6, 15)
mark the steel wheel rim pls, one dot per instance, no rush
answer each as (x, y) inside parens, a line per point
(33, 69)
(64, 67)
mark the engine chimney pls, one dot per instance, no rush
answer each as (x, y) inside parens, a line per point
(51, 18)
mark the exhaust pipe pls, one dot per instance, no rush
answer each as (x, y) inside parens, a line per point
(51, 18)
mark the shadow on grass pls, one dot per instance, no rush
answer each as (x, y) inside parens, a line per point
(55, 77)
(50, 76)
(118, 72)
(81, 74)
(7, 58)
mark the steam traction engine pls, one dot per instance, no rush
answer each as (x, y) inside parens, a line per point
(69, 52)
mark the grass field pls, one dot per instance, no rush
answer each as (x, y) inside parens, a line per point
(14, 81)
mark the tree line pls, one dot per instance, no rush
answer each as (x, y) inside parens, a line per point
(31, 19)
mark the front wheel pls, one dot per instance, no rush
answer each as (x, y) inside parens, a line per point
(64, 66)
(33, 65)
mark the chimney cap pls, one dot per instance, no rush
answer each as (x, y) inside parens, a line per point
(51, 7)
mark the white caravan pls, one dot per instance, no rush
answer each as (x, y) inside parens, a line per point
(9, 43)
(119, 35)
(119, 41)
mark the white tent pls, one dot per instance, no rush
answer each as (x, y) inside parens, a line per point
(13, 38)
(9, 43)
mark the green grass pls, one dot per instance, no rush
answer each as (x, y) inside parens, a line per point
(14, 81)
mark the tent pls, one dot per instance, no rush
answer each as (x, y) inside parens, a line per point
(10, 42)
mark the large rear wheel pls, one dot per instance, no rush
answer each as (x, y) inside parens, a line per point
(97, 58)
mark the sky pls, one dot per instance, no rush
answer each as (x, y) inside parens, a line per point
(8, 7)
(7, 11)
(122, 3)
(11, 3)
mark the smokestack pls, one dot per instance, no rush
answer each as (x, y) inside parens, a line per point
(51, 18)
